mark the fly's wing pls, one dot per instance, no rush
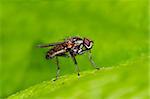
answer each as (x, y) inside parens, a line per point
(50, 44)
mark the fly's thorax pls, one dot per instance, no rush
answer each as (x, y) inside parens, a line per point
(78, 49)
(69, 44)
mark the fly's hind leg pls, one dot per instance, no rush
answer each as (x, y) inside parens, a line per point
(91, 60)
(76, 64)
(58, 68)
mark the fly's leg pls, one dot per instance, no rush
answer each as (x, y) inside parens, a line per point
(91, 60)
(58, 68)
(76, 64)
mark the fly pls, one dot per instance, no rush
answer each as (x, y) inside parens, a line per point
(70, 47)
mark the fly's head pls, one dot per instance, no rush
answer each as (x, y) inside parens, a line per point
(88, 43)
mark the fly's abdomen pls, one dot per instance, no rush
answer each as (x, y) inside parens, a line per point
(49, 54)
(52, 53)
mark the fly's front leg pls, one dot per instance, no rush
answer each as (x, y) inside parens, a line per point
(76, 64)
(91, 60)
(58, 68)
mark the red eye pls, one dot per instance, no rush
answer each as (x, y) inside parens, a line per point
(87, 42)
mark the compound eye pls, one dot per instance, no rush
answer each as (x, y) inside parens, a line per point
(88, 44)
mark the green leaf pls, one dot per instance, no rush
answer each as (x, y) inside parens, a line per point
(119, 82)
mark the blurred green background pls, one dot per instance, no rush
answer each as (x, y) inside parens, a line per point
(119, 29)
